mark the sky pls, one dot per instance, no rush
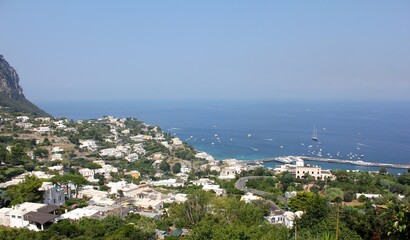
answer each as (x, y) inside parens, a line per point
(120, 50)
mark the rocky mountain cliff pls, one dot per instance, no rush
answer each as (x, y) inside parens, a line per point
(11, 93)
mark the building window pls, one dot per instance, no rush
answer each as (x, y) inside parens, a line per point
(13, 216)
(19, 217)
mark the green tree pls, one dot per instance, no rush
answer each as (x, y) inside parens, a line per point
(302, 201)
(29, 166)
(191, 211)
(164, 166)
(176, 168)
(334, 193)
(3, 153)
(17, 154)
(26, 191)
(41, 152)
(286, 180)
(383, 171)
(235, 211)
(398, 216)
(46, 142)
(65, 180)
(313, 205)
(404, 179)
(93, 165)
(4, 198)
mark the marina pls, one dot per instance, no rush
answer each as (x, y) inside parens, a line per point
(290, 159)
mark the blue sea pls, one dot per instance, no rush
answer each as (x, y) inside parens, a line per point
(254, 129)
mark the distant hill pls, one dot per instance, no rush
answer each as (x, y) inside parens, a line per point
(11, 93)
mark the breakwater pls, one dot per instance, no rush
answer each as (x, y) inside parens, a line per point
(291, 159)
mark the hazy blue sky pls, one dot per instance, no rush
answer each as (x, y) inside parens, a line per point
(66, 50)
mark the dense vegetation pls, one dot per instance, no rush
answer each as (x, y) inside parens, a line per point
(21, 105)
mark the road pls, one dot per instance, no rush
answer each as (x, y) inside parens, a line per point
(241, 185)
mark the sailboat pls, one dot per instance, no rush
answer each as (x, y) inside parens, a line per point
(314, 136)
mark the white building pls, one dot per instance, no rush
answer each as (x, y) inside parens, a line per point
(87, 173)
(22, 118)
(202, 182)
(249, 197)
(56, 157)
(176, 142)
(150, 204)
(172, 182)
(128, 189)
(313, 171)
(205, 156)
(139, 148)
(26, 215)
(368, 195)
(185, 169)
(78, 213)
(89, 144)
(25, 125)
(216, 188)
(229, 172)
(43, 129)
(181, 197)
(287, 218)
(108, 152)
(132, 157)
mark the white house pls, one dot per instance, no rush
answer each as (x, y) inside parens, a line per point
(87, 173)
(43, 129)
(150, 204)
(25, 125)
(368, 195)
(23, 118)
(132, 157)
(26, 215)
(89, 144)
(216, 188)
(108, 152)
(287, 218)
(185, 169)
(249, 197)
(42, 119)
(172, 182)
(139, 148)
(202, 182)
(128, 189)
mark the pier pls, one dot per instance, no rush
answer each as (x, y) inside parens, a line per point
(287, 160)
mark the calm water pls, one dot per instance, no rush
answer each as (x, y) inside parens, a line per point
(259, 129)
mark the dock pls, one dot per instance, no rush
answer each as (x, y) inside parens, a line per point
(286, 160)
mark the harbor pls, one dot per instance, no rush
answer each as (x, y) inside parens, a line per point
(291, 159)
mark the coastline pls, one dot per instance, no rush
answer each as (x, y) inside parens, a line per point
(261, 129)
